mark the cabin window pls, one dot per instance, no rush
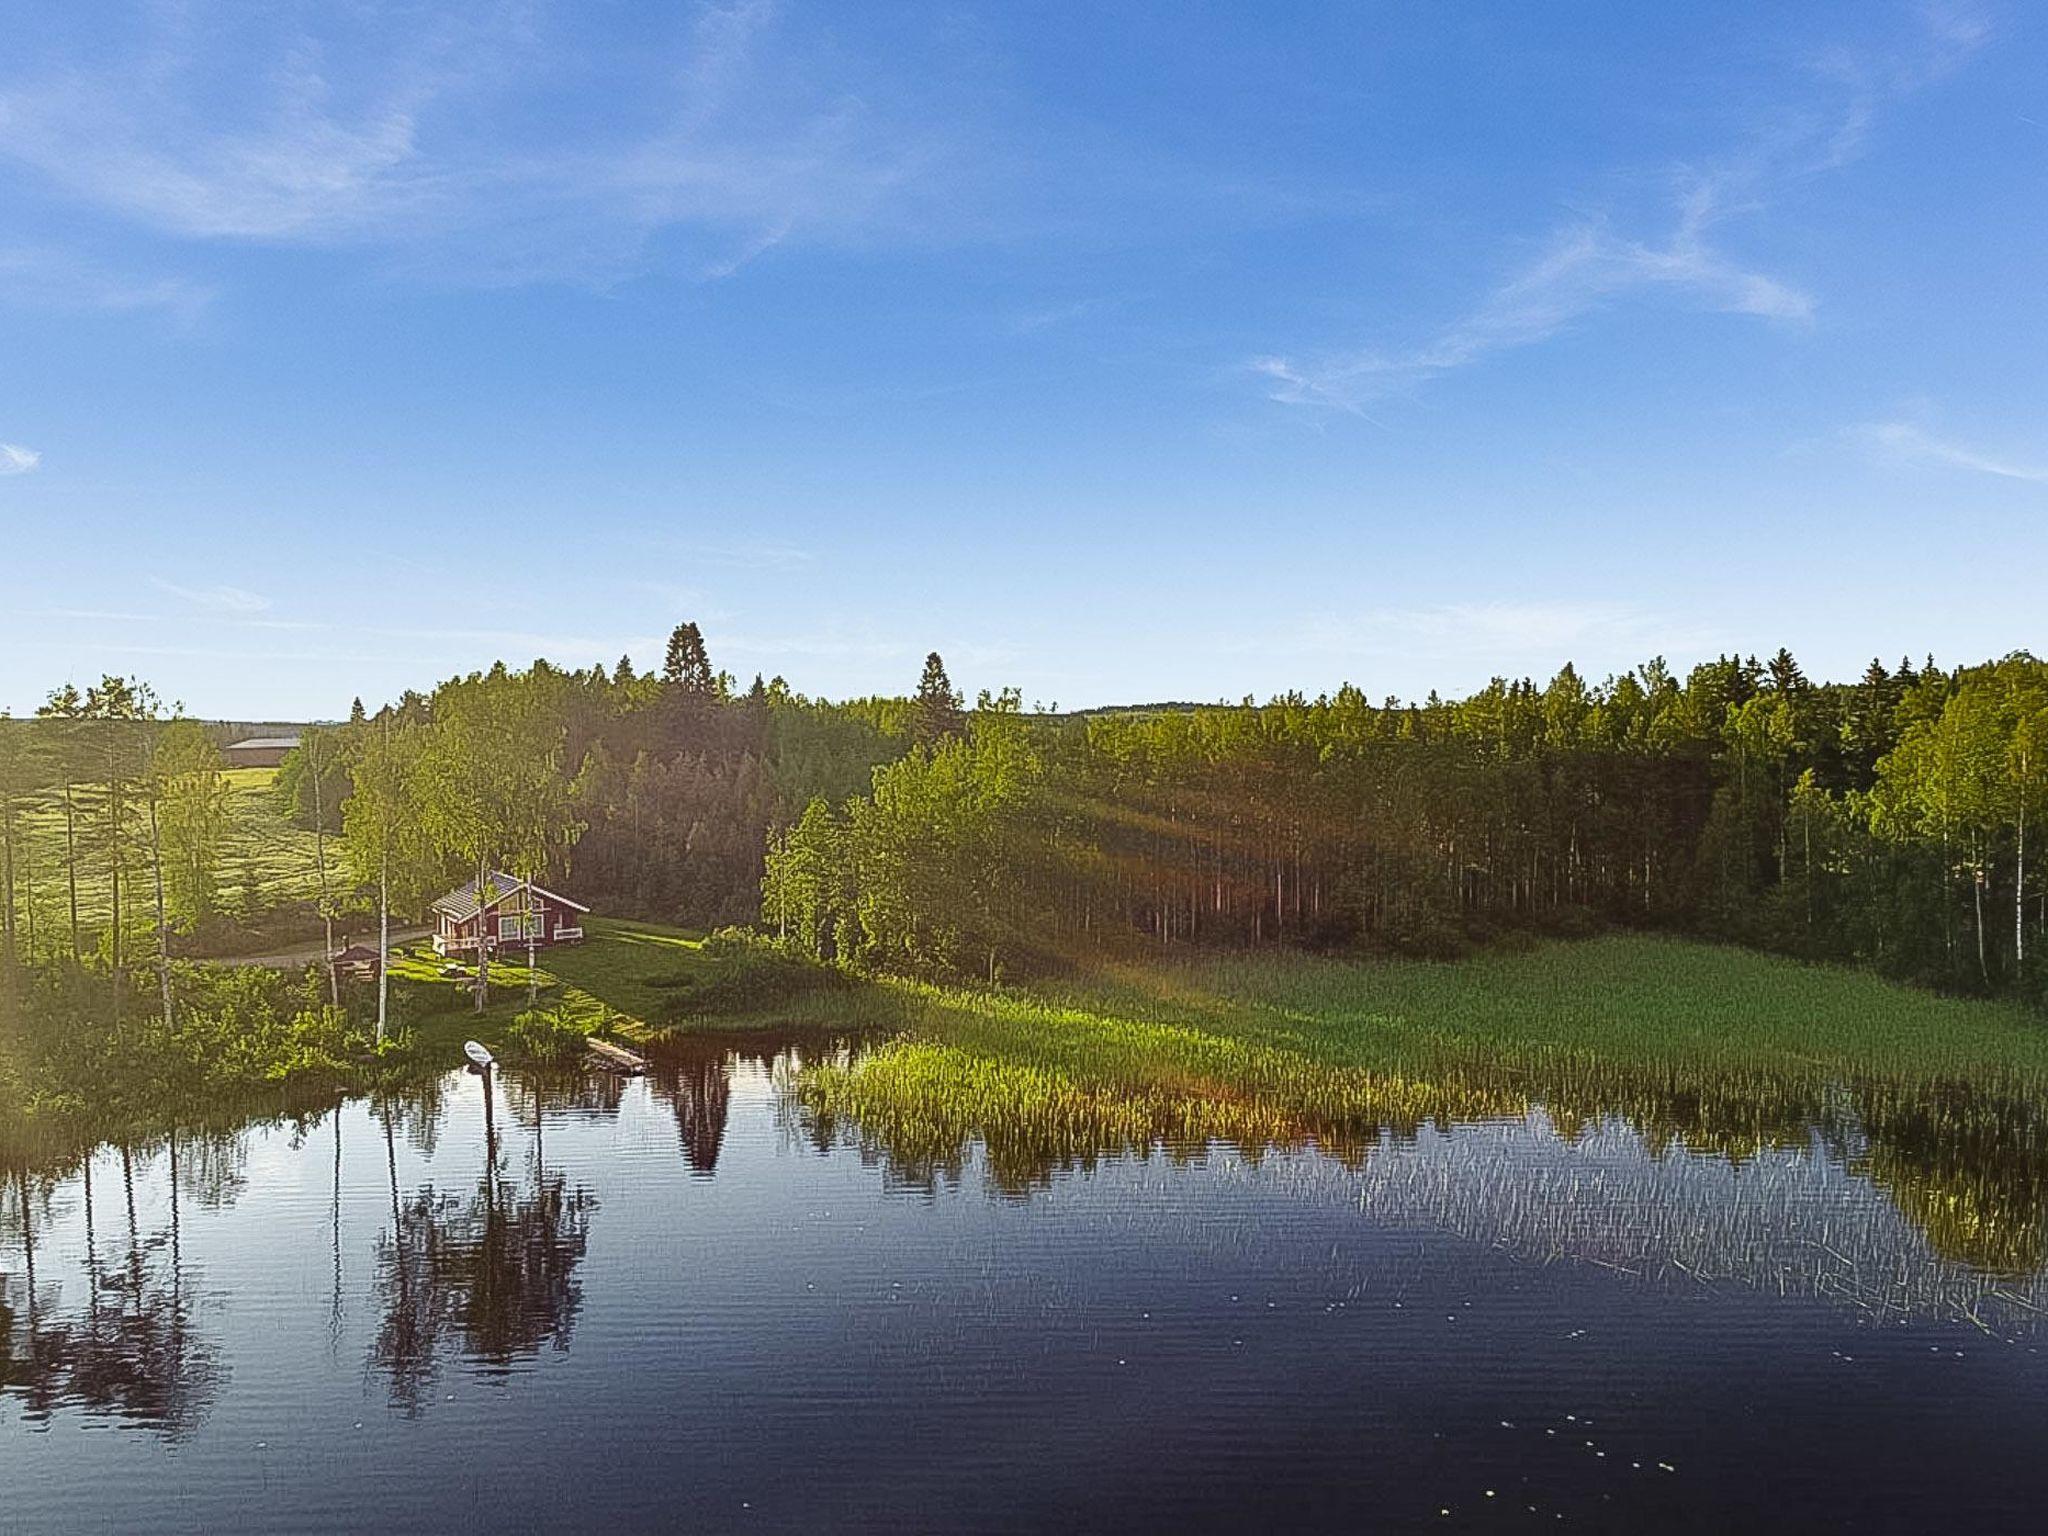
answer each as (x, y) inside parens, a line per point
(512, 926)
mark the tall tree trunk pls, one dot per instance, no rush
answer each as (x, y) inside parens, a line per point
(2019, 897)
(483, 941)
(530, 923)
(383, 943)
(114, 844)
(1977, 893)
(71, 868)
(7, 934)
(114, 875)
(163, 927)
(320, 863)
(28, 894)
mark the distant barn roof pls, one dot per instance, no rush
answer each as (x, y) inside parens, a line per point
(462, 904)
(264, 743)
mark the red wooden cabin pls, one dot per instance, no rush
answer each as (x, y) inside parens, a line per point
(502, 915)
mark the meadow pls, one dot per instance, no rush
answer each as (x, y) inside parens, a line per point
(1717, 1050)
(267, 870)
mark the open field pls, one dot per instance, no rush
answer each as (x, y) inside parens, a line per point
(1630, 999)
(1634, 1001)
(266, 863)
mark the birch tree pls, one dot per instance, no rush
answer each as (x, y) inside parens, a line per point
(385, 834)
(192, 793)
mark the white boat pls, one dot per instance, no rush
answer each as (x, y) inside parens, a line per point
(478, 1056)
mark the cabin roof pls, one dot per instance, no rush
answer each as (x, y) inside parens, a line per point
(260, 743)
(462, 904)
(354, 953)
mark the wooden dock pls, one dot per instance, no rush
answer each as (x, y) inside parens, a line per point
(607, 1057)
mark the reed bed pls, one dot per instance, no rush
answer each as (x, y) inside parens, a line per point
(1940, 1107)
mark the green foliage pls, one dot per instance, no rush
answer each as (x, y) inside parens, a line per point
(549, 1035)
(313, 782)
(935, 707)
(740, 974)
(687, 666)
(192, 796)
(236, 1032)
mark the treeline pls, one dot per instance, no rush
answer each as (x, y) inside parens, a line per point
(1885, 821)
(649, 795)
(1892, 820)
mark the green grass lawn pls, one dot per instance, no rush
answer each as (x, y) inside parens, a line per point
(620, 982)
(266, 862)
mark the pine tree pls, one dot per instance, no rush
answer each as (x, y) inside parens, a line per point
(688, 666)
(357, 715)
(935, 712)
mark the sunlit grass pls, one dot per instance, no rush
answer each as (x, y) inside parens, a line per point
(1943, 1103)
(265, 862)
(616, 983)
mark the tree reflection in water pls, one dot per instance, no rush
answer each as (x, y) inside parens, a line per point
(488, 1275)
(131, 1350)
(696, 1080)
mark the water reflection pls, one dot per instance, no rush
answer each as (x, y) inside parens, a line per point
(1896, 1197)
(117, 1336)
(697, 1086)
(445, 1229)
(486, 1274)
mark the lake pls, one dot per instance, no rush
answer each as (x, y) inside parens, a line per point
(684, 1301)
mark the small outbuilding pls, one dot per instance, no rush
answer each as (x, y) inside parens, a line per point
(359, 962)
(259, 751)
(502, 915)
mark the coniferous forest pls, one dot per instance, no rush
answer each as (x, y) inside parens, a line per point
(1892, 821)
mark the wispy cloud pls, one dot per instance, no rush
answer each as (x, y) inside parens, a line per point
(1592, 262)
(843, 647)
(217, 599)
(507, 644)
(1907, 442)
(36, 277)
(733, 131)
(757, 555)
(17, 460)
(1582, 266)
(1030, 322)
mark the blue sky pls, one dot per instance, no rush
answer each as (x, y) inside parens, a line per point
(1119, 352)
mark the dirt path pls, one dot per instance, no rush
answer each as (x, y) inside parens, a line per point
(312, 954)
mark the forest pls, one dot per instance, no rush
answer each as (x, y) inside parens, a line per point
(1888, 821)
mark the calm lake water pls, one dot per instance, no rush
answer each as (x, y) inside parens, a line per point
(675, 1303)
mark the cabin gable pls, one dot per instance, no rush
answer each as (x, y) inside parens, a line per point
(513, 915)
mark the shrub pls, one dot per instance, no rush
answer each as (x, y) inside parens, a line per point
(743, 972)
(548, 1035)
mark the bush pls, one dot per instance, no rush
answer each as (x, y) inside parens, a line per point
(548, 1035)
(744, 972)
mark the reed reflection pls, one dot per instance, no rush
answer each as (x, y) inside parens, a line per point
(1961, 1167)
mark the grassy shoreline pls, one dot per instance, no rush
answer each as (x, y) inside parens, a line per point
(1723, 1046)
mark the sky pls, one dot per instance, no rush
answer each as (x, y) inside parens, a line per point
(1119, 352)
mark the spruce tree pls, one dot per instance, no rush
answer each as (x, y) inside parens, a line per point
(1784, 673)
(936, 709)
(688, 665)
